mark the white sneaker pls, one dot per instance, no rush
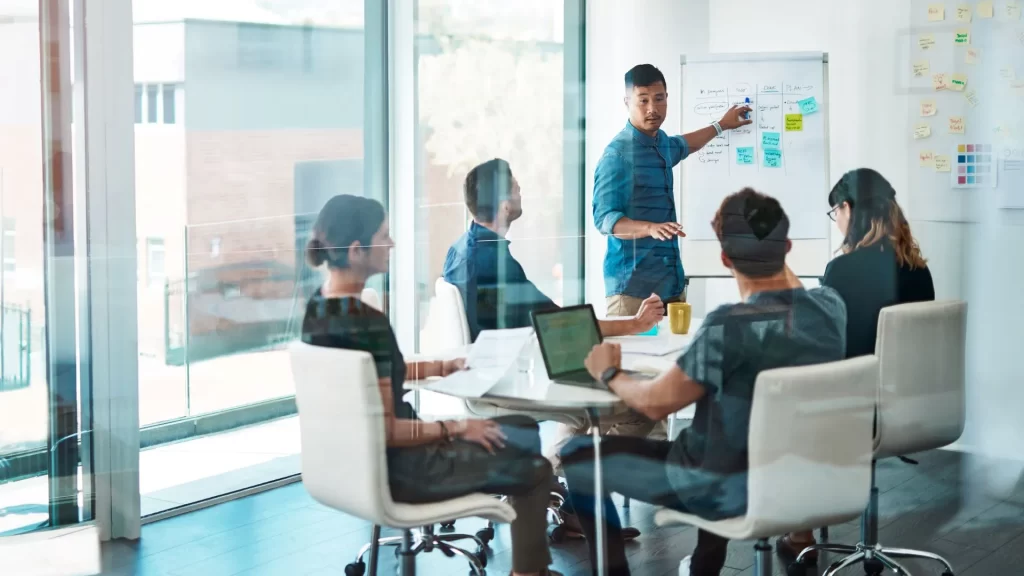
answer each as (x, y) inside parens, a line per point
(684, 567)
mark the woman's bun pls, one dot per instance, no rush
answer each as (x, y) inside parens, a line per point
(316, 253)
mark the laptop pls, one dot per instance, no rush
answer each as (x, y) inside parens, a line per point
(565, 337)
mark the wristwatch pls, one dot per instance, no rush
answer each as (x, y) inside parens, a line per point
(608, 375)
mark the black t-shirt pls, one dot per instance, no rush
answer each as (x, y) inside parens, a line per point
(350, 324)
(869, 279)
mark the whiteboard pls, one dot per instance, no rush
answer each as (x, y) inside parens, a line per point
(774, 83)
(992, 119)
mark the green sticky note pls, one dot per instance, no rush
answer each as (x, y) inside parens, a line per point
(808, 105)
(745, 156)
(772, 158)
(963, 36)
(770, 139)
(794, 122)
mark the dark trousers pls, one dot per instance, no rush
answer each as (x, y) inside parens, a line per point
(633, 467)
(435, 472)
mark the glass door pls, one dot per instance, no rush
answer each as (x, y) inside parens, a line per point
(44, 439)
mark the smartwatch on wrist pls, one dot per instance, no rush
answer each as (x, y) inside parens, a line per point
(608, 375)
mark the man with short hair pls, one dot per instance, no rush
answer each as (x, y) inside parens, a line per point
(634, 204)
(704, 470)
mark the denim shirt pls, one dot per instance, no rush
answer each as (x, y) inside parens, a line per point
(634, 180)
(494, 287)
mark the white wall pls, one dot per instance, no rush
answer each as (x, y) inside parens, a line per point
(870, 122)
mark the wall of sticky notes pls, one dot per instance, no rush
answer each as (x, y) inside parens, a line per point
(960, 65)
(784, 152)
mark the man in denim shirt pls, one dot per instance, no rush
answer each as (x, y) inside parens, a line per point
(633, 195)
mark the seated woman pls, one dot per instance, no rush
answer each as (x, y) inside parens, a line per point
(427, 461)
(880, 265)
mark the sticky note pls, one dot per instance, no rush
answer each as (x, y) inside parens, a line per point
(745, 155)
(942, 163)
(963, 13)
(985, 10)
(1007, 73)
(940, 81)
(929, 108)
(963, 36)
(972, 97)
(920, 69)
(956, 125)
(794, 122)
(936, 12)
(959, 82)
(927, 159)
(922, 131)
(1012, 10)
(972, 55)
(926, 41)
(808, 105)
(772, 158)
(770, 139)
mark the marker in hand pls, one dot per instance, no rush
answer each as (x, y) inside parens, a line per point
(746, 101)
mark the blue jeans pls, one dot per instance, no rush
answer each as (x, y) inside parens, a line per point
(633, 467)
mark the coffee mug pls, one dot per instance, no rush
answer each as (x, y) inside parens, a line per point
(679, 317)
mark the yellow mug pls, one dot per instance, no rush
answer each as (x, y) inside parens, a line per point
(679, 317)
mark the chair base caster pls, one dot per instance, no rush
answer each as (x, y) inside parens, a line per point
(485, 535)
(481, 556)
(947, 573)
(355, 569)
(873, 567)
(448, 526)
(795, 569)
(557, 533)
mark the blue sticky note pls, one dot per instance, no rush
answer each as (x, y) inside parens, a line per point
(970, 179)
(651, 332)
(808, 106)
(745, 156)
(772, 158)
(970, 169)
(770, 139)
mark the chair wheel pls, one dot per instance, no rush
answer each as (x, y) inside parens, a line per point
(947, 573)
(557, 533)
(481, 556)
(485, 535)
(448, 526)
(355, 569)
(796, 569)
(873, 567)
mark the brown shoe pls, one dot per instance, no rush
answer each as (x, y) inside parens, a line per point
(789, 549)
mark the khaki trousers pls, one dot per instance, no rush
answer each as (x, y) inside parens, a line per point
(622, 421)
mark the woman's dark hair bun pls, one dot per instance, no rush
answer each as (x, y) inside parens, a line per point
(316, 252)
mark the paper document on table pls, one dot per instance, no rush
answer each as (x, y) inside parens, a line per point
(467, 383)
(498, 349)
(648, 346)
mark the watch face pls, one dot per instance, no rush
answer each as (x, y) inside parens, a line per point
(608, 374)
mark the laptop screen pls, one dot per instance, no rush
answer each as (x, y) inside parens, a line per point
(566, 337)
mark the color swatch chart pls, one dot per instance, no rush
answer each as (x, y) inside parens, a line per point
(975, 166)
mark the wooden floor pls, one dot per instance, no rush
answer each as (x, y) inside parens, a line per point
(284, 532)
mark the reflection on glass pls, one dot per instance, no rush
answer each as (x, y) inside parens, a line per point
(253, 118)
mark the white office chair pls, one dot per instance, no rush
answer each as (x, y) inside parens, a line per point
(344, 463)
(447, 327)
(809, 448)
(371, 298)
(921, 349)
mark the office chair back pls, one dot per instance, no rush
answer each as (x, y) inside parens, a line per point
(810, 446)
(341, 423)
(921, 349)
(449, 324)
(371, 298)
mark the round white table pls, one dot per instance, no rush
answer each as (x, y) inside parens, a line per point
(527, 387)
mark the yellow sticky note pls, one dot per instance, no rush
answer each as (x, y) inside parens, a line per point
(940, 81)
(961, 148)
(942, 163)
(1002, 131)
(985, 10)
(963, 13)
(922, 131)
(794, 122)
(929, 108)
(956, 125)
(972, 97)
(973, 54)
(963, 36)
(959, 82)
(920, 69)
(936, 12)
(926, 41)
(927, 158)
(1012, 10)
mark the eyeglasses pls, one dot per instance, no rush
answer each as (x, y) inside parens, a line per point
(832, 213)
